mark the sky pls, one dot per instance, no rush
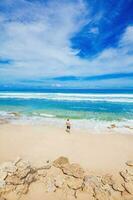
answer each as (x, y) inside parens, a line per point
(66, 44)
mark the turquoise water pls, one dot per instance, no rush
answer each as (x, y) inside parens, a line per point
(107, 107)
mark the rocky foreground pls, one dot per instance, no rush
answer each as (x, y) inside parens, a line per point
(64, 180)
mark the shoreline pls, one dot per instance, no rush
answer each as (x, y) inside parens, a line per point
(87, 125)
(93, 151)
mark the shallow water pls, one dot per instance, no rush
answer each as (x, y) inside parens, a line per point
(87, 107)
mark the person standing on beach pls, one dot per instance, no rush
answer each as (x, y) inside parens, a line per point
(68, 126)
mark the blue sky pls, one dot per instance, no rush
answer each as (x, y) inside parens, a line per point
(66, 44)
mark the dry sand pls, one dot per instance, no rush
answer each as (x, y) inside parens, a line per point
(100, 153)
(105, 153)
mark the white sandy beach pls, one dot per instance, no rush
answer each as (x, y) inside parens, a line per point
(95, 152)
(99, 154)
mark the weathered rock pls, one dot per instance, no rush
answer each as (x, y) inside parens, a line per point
(18, 159)
(88, 189)
(13, 180)
(129, 187)
(22, 165)
(93, 181)
(41, 165)
(73, 170)
(30, 179)
(14, 114)
(126, 174)
(101, 195)
(2, 184)
(22, 189)
(59, 181)
(112, 126)
(9, 188)
(129, 163)
(74, 183)
(54, 172)
(41, 172)
(60, 162)
(50, 185)
(3, 175)
(118, 187)
(8, 167)
(23, 174)
(107, 179)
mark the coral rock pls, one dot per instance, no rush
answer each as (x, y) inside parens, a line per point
(74, 183)
(73, 170)
(60, 162)
(59, 181)
(2, 184)
(3, 175)
(50, 186)
(118, 187)
(129, 163)
(8, 167)
(129, 187)
(107, 179)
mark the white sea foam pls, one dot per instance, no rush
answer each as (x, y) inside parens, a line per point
(89, 125)
(71, 97)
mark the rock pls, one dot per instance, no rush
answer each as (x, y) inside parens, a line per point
(93, 181)
(101, 195)
(43, 165)
(14, 114)
(30, 179)
(2, 184)
(88, 189)
(107, 179)
(118, 187)
(126, 174)
(8, 167)
(73, 170)
(129, 163)
(59, 181)
(22, 165)
(74, 183)
(22, 189)
(129, 187)
(41, 172)
(3, 175)
(9, 188)
(49, 184)
(14, 180)
(112, 126)
(60, 162)
(23, 174)
(18, 159)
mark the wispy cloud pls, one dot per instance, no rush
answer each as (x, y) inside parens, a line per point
(37, 36)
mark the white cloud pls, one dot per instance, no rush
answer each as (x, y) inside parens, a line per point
(38, 39)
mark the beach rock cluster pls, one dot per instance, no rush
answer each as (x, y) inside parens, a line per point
(70, 181)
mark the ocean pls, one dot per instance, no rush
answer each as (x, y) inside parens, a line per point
(104, 107)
